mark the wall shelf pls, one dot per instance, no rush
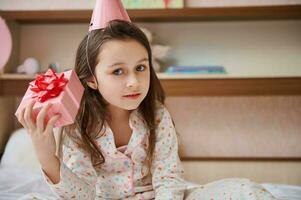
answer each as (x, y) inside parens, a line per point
(163, 15)
(16, 85)
(184, 85)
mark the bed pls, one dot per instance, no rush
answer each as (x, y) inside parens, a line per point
(20, 172)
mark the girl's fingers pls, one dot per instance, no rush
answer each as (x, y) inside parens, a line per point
(51, 123)
(28, 116)
(41, 118)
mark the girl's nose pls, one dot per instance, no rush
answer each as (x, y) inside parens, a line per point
(132, 82)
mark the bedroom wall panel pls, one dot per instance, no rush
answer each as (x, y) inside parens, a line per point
(258, 171)
(7, 109)
(238, 127)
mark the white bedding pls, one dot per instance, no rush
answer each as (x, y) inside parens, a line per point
(20, 173)
(282, 191)
(16, 182)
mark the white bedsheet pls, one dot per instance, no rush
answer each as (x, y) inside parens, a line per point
(16, 182)
(281, 191)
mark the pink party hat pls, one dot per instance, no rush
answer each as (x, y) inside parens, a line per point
(106, 11)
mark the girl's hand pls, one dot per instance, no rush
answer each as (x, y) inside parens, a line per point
(42, 136)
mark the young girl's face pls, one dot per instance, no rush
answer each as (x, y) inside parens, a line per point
(123, 73)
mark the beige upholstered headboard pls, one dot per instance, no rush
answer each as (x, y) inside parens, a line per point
(256, 127)
(258, 137)
(7, 120)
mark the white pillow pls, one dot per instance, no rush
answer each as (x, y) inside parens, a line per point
(19, 152)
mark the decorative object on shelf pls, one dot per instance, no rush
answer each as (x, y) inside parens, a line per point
(196, 70)
(30, 66)
(147, 4)
(6, 44)
(55, 66)
(241, 3)
(159, 52)
(63, 90)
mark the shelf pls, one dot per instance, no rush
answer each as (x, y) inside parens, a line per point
(163, 15)
(15, 85)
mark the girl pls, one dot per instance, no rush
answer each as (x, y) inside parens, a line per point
(123, 144)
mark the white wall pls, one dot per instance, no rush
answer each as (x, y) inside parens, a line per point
(244, 48)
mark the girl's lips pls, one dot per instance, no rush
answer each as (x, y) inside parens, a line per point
(132, 96)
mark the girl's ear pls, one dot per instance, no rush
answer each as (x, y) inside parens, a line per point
(92, 84)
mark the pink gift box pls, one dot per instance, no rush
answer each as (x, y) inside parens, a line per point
(66, 103)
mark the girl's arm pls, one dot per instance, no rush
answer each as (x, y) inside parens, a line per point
(71, 178)
(166, 168)
(77, 175)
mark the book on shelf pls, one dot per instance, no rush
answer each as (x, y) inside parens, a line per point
(195, 70)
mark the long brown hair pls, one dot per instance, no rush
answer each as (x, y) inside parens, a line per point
(92, 113)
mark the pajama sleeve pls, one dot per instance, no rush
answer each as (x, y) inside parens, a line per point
(167, 171)
(77, 175)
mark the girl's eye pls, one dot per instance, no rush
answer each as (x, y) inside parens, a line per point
(140, 68)
(117, 72)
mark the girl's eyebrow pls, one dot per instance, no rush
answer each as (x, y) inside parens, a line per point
(121, 63)
(143, 60)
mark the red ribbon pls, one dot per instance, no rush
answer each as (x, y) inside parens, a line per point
(48, 85)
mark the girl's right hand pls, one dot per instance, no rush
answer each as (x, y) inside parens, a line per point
(42, 135)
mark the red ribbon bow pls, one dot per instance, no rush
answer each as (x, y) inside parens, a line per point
(48, 85)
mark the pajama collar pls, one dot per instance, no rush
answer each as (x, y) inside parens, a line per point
(139, 136)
